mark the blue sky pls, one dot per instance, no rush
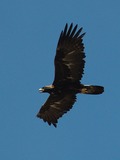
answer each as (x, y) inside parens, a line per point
(29, 31)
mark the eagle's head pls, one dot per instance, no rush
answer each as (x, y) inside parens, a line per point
(47, 89)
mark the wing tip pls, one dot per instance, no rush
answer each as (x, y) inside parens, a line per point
(49, 123)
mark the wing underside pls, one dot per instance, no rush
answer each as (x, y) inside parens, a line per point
(55, 106)
(69, 59)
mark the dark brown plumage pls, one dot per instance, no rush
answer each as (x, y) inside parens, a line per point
(69, 66)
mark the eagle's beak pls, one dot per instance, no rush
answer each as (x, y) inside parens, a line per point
(41, 90)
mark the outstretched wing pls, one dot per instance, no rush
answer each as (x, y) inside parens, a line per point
(55, 106)
(69, 59)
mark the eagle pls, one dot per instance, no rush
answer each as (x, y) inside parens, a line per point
(69, 67)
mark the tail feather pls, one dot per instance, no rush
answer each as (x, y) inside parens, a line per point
(91, 89)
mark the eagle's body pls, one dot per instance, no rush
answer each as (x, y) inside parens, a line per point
(69, 66)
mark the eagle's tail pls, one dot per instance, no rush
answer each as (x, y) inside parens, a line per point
(91, 89)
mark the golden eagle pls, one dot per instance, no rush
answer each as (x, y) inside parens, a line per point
(69, 66)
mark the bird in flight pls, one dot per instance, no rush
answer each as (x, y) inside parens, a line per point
(69, 67)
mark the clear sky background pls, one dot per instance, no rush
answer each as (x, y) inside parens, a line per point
(29, 31)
